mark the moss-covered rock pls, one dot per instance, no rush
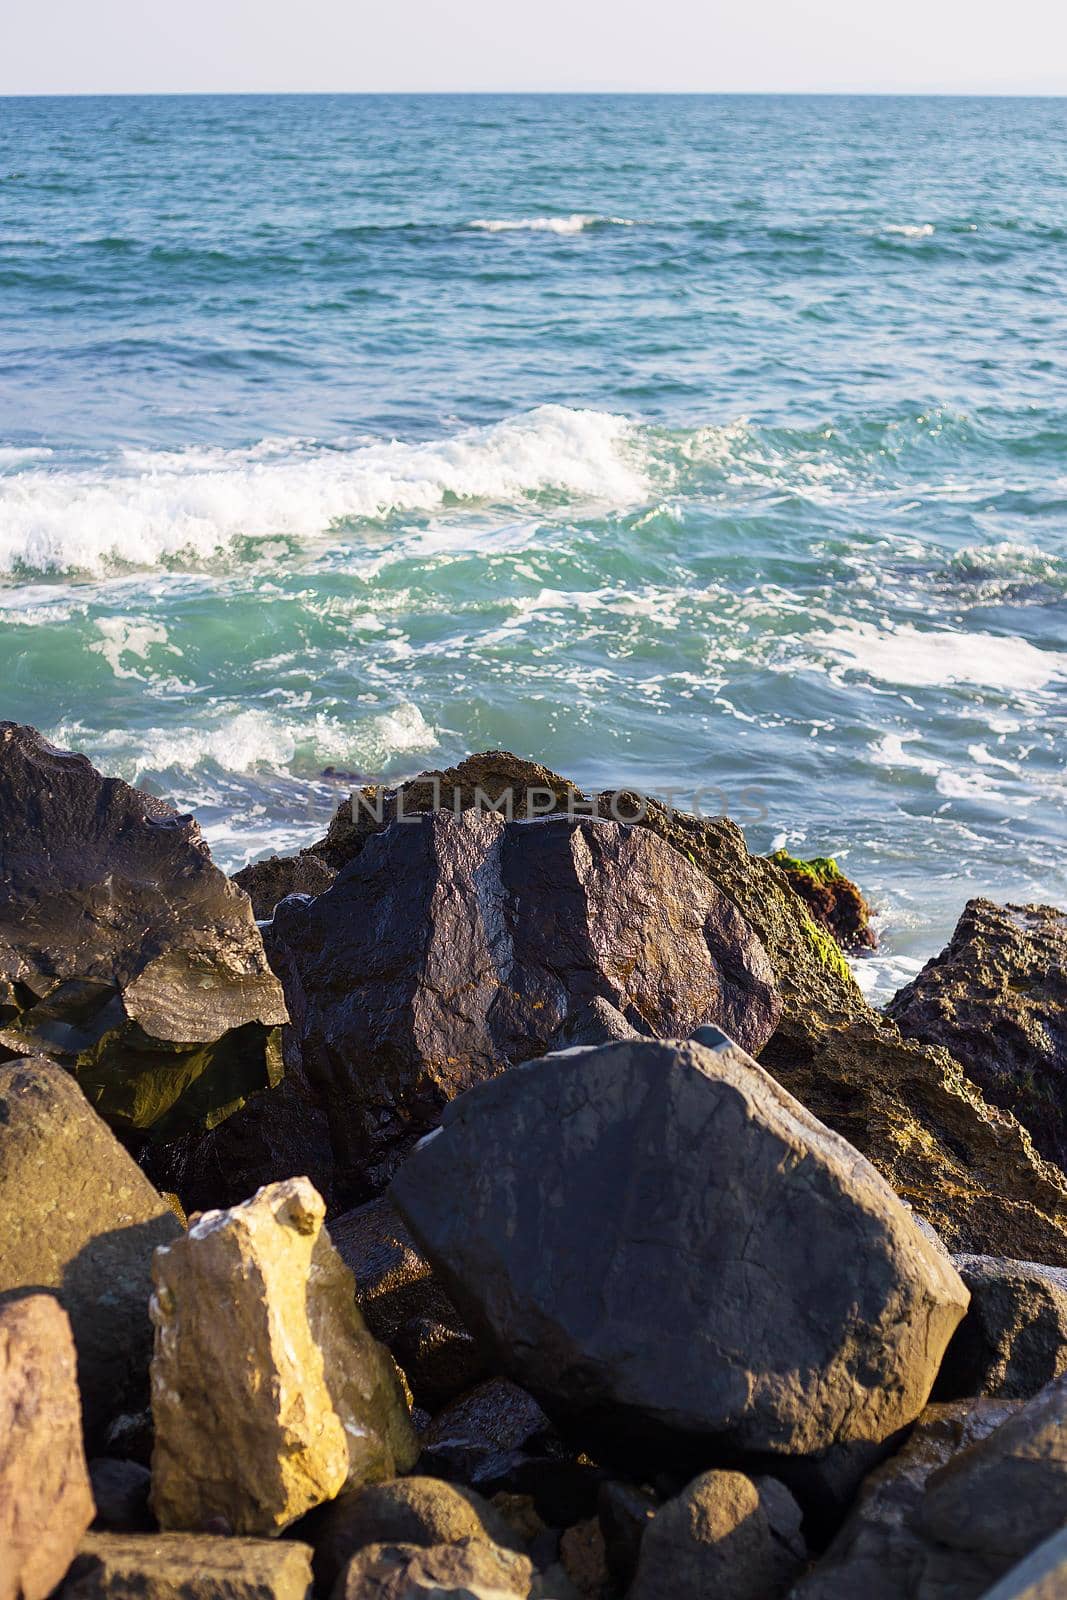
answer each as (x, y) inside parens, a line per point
(834, 901)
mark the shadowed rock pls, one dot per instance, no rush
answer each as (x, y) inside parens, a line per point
(187, 1566)
(45, 1500)
(79, 1218)
(996, 997)
(671, 1253)
(267, 882)
(125, 954)
(1013, 1340)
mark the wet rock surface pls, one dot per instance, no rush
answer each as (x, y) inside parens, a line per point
(453, 947)
(125, 954)
(996, 997)
(46, 1503)
(301, 1402)
(664, 1247)
(82, 1220)
(833, 900)
(1013, 1340)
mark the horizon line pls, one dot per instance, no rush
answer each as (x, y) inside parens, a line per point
(692, 94)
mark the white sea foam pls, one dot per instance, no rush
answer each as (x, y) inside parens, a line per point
(149, 508)
(913, 658)
(577, 222)
(910, 230)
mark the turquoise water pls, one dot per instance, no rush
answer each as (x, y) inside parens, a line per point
(674, 441)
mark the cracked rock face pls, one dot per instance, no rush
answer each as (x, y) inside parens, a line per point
(453, 946)
(268, 1393)
(670, 1252)
(45, 1500)
(996, 997)
(125, 954)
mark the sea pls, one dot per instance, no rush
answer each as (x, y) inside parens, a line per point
(711, 445)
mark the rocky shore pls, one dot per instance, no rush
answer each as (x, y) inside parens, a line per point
(513, 1194)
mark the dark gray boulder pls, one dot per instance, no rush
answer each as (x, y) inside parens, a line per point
(452, 947)
(81, 1219)
(1013, 1340)
(996, 997)
(125, 954)
(665, 1247)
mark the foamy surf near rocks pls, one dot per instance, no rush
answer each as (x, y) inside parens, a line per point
(670, 1252)
(268, 1393)
(125, 954)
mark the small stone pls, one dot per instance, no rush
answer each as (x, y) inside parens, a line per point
(188, 1566)
(269, 1395)
(583, 1558)
(717, 1538)
(45, 1500)
(470, 1570)
(412, 1511)
(120, 1490)
(1013, 1340)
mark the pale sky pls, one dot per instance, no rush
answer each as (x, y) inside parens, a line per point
(143, 46)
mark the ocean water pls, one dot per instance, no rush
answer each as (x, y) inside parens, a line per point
(702, 443)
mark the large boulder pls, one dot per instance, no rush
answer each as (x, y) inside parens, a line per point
(1013, 1340)
(452, 947)
(125, 954)
(81, 1219)
(996, 997)
(184, 1566)
(268, 1393)
(669, 1250)
(725, 1536)
(968, 1167)
(46, 1503)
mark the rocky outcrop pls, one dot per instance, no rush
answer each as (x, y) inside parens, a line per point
(185, 1566)
(269, 1395)
(966, 1166)
(82, 1220)
(125, 954)
(1013, 1340)
(668, 1250)
(452, 947)
(833, 900)
(996, 997)
(471, 1570)
(45, 1500)
(404, 1305)
(267, 882)
(724, 1536)
(412, 1511)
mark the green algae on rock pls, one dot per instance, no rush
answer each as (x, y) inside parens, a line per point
(833, 899)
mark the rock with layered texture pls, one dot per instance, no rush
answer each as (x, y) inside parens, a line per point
(670, 1252)
(996, 997)
(455, 946)
(724, 1536)
(269, 1395)
(184, 1566)
(82, 1220)
(966, 1166)
(125, 954)
(46, 1503)
(1013, 1340)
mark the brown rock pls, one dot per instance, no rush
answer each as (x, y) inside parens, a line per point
(80, 1218)
(471, 1570)
(185, 1566)
(725, 1536)
(267, 882)
(269, 1394)
(413, 1511)
(1013, 1340)
(996, 997)
(125, 954)
(404, 1305)
(583, 1557)
(45, 1500)
(833, 900)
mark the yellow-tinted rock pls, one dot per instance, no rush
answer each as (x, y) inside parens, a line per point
(268, 1393)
